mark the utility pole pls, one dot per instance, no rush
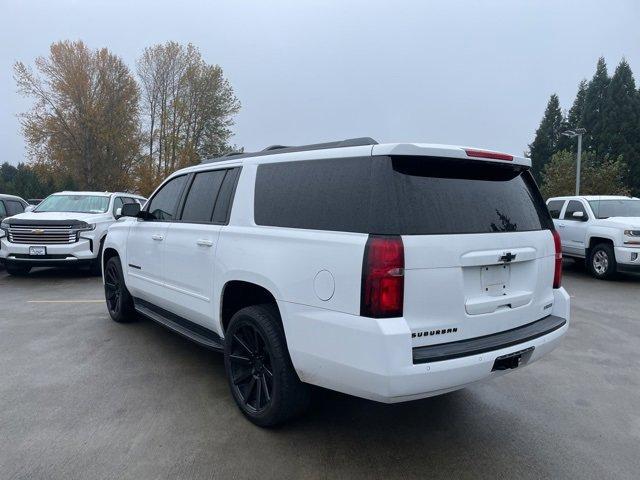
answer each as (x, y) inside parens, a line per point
(577, 132)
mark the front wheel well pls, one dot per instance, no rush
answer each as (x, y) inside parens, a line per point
(107, 254)
(237, 295)
(593, 241)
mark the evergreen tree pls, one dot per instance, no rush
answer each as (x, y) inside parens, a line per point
(621, 132)
(593, 113)
(547, 138)
(576, 112)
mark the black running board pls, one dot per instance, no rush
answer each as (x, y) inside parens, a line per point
(197, 333)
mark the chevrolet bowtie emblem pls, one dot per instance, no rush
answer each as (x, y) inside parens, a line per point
(507, 257)
(38, 231)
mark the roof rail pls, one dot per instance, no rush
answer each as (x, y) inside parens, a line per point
(274, 149)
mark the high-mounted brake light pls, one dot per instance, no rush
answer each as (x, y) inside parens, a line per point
(557, 274)
(484, 154)
(382, 293)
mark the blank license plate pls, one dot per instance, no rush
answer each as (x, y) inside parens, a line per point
(37, 250)
(495, 279)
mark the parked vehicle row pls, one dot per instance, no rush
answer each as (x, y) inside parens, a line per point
(603, 230)
(390, 272)
(65, 229)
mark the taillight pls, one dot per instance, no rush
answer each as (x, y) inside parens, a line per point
(557, 275)
(382, 293)
(485, 154)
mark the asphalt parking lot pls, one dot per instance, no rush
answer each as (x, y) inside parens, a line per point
(84, 397)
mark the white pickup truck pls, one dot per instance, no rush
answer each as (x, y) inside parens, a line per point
(604, 230)
(65, 229)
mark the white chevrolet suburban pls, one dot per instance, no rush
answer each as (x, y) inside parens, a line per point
(391, 272)
(65, 229)
(603, 230)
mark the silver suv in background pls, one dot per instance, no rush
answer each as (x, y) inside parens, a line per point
(65, 229)
(603, 230)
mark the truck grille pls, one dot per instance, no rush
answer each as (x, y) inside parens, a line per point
(42, 235)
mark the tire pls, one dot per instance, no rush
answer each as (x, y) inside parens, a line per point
(602, 262)
(261, 377)
(95, 267)
(17, 270)
(118, 298)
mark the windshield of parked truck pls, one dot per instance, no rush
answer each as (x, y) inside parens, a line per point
(74, 203)
(615, 208)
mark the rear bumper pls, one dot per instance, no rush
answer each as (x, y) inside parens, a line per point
(374, 359)
(489, 343)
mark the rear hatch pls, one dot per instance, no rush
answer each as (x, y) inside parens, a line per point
(478, 247)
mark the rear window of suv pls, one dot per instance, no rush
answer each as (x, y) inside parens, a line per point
(399, 195)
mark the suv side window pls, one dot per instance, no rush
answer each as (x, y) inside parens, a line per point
(14, 207)
(555, 207)
(572, 207)
(200, 201)
(117, 203)
(164, 204)
(3, 210)
(225, 197)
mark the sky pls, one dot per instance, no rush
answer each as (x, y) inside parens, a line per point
(475, 73)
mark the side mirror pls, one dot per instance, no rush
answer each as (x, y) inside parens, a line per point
(128, 210)
(579, 216)
(29, 208)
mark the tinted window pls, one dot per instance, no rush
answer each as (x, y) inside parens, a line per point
(399, 195)
(3, 210)
(202, 195)
(225, 197)
(13, 207)
(555, 207)
(574, 206)
(164, 204)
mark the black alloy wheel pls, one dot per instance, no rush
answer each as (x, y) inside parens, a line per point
(261, 376)
(119, 301)
(251, 368)
(113, 288)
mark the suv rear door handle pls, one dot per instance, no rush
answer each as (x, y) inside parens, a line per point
(204, 243)
(157, 237)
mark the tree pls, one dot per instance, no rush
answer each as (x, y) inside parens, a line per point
(598, 177)
(84, 122)
(188, 109)
(574, 118)
(593, 115)
(24, 181)
(621, 130)
(576, 112)
(547, 136)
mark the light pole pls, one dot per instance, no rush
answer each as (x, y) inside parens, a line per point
(577, 132)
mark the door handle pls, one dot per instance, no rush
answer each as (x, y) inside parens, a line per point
(561, 226)
(204, 243)
(157, 237)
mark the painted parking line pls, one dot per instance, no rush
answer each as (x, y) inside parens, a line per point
(65, 301)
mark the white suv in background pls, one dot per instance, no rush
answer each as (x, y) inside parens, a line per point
(603, 230)
(391, 272)
(65, 229)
